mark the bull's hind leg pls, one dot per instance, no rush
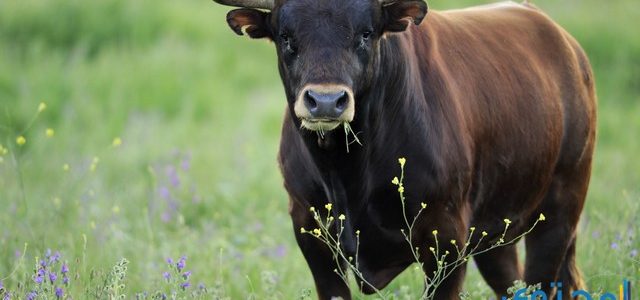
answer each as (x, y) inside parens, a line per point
(500, 268)
(551, 245)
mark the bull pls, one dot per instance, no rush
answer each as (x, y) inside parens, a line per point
(493, 107)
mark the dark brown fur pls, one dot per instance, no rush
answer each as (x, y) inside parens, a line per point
(494, 110)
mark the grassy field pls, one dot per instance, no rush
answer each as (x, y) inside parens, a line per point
(198, 112)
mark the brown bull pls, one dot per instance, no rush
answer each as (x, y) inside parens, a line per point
(492, 106)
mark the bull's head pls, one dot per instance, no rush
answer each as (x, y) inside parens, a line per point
(326, 48)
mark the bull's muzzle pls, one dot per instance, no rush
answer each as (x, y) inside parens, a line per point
(324, 107)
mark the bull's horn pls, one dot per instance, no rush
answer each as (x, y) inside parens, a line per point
(387, 2)
(264, 4)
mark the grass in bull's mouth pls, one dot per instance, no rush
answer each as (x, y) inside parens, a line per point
(347, 131)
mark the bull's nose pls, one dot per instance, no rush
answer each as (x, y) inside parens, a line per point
(326, 105)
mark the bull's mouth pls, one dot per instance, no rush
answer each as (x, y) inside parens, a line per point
(321, 125)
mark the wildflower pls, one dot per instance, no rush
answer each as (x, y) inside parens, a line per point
(38, 278)
(453, 242)
(94, 163)
(3, 150)
(432, 249)
(52, 277)
(401, 189)
(507, 221)
(116, 142)
(21, 140)
(115, 209)
(65, 280)
(312, 209)
(166, 275)
(302, 230)
(541, 217)
(395, 181)
(54, 258)
(328, 206)
(181, 263)
(472, 229)
(358, 232)
(341, 217)
(186, 275)
(66, 167)
(634, 253)
(170, 261)
(32, 295)
(435, 232)
(317, 232)
(50, 132)
(614, 246)
(402, 161)
(59, 292)
(42, 107)
(64, 269)
(484, 233)
(423, 205)
(185, 285)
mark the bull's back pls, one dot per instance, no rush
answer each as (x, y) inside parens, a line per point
(523, 90)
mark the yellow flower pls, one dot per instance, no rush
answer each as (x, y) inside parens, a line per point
(66, 167)
(317, 232)
(115, 209)
(328, 206)
(116, 142)
(401, 189)
(357, 232)
(402, 161)
(453, 242)
(423, 205)
(541, 217)
(484, 233)
(42, 107)
(312, 209)
(395, 181)
(341, 217)
(302, 230)
(472, 229)
(432, 249)
(50, 132)
(507, 221)
(20, 140)
(94, 164)
(435, 232)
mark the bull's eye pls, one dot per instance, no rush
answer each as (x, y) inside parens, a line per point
(286, 43)
(366, 35)
(364, 39)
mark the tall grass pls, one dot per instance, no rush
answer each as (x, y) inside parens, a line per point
(198, 112)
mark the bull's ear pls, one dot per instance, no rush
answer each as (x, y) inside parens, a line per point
(251, 21)
(398, 14)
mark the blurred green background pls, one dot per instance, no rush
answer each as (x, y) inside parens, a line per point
(198, 110)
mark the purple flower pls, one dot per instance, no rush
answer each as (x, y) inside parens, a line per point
(595, 234)
(52, 277)
(59, 292)
(170, 261)
(185, 285)
(166, 275)
(6, 296)
(201, 286)
(186, 275)
(634, 253)
(64, 269)
(164, 193)
(65, 280)
(614, 246)
(38, 278)
(54, 258)
(182, 263)
(32, 295)
(1, 285)
(47, 253)
(43, 263)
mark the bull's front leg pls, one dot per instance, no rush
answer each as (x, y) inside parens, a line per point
(441, 259)
(318, 256)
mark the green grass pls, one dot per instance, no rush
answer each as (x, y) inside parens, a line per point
(176, 85)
